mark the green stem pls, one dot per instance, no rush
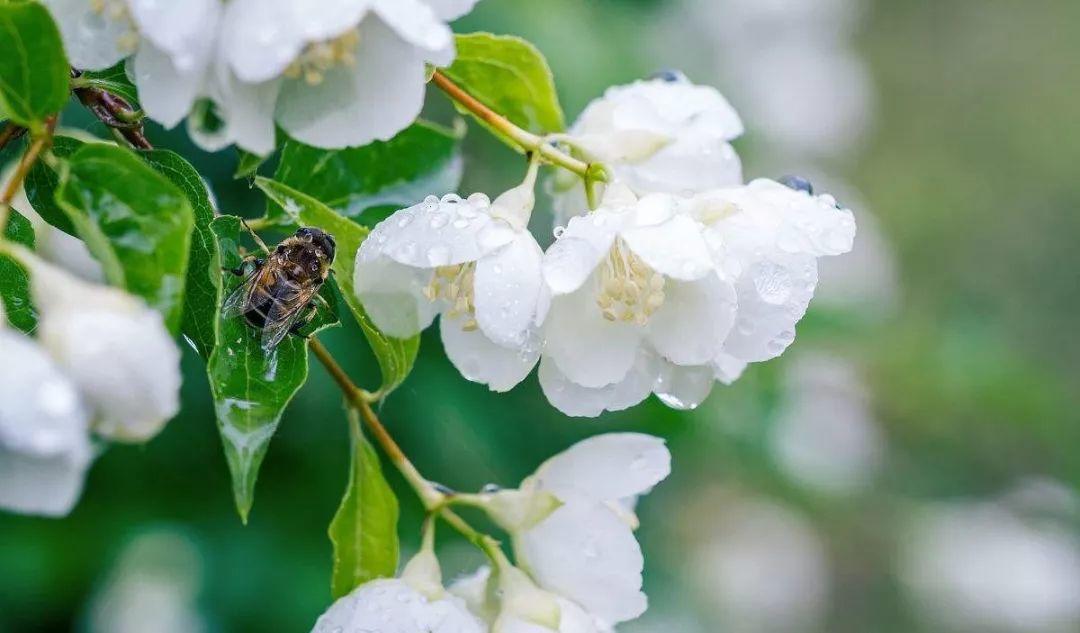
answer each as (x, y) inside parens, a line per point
(526, 140)
(22, 169)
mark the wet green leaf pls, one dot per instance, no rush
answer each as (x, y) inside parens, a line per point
(250, 388)
(422, 159)
(134, 221)
(42, 182)
(364, 528)
(34, 72)
(510, 76)
(396, 356)
(113, 80)
(203, 283)
(248, 164)
(14, 284)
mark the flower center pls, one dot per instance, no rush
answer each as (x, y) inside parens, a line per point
(630, 290)
(454, 284)
(117, 11)
(317, 59)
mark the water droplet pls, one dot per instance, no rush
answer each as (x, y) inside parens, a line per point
(406, 250)
(491, 488)
(461, 223)
(431, 200)
(405, 220)
(772, 282)
(438, 255)
(439, 220)
(558, 231)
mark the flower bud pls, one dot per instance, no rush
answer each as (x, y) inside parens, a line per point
(516, 510)
(524, 605)
(44, 444)
(115, 348)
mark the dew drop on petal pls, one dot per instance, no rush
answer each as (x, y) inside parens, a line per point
(772, 282)
(558, 232)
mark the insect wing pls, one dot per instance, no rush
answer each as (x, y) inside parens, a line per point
(287, 306)
(239, 300)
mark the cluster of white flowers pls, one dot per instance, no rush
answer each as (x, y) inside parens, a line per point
(102, 363)
(579, 567)
(242, 66)
(679, 278)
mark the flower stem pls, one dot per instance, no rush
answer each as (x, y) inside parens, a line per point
(526, 140)
(22, 169)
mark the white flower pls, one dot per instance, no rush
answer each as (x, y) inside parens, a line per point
(171, 44)
(474, 262)
(636, 296)
(341, 74)
(391, 605)
(663, 134)
(115, 349)
(585, 551)
(44, 438)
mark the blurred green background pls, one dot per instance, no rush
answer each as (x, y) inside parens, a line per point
(910, 464)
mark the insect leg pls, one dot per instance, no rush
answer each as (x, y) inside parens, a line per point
(305, 320)
(239, 270)
(255, 236)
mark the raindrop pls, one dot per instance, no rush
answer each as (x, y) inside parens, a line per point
(439, 220)
(405, 220)
(491, 488)
(772, 282)
(558, 232)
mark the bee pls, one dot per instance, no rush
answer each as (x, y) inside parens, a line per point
(279, 293)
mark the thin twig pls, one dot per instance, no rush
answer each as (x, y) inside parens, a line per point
(22, 169)
(528, 141)
(10, 132)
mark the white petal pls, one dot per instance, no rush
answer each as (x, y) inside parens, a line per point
(684, 387)
(574, 400)
(588, 349)
(727, 368)
(184, 31)
(688, 165)
(473, 589)
(332, 18)
(165, 93)
(392, 606)
(607, 467)
(809, 224)
(507, 289)
(451, 9)
(581, 246)
(480, 360)
(392, 293)
(262, 38)
(91, 39)
(586, 553)
(47, 485)
(675, 248)
(696, 316)
(442, 232)
(416, 23)
(375, 99)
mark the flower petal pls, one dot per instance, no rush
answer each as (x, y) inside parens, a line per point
(727, 368)
(507, 288)
(91, 38)
(416, 22)
(164, 92)
(675, 248)
(586, 553)
(695, 318)
(47, 485)
(392, 293)
(374, 99)
(588, 349)
(579, 249)
(574, 400)
(480, 360)
(442, 232)
(183, 31)
(683, 388)
(392, 606)
(606, 467)
(809, 224)
(263, 38)
(451, 9)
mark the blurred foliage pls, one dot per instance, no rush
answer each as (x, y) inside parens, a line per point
(971, 169)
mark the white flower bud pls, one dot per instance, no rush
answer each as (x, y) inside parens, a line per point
(115, 348)
(516, 510)
(526, 608)
(44, 444)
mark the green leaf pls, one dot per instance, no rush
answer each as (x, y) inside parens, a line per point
(14, 284)
(422, 159)
(203, 283)
(249, 163)
(43, 181)
(510, 76)
(396, 356)
(134, 221)
(250, 388)
(114, 80)
(364, 528)
(34, 72)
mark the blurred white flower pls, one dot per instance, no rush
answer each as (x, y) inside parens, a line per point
(763, 569)
(632, 278)
(343, 75)
(170, 44)
(116, 350)
(980, 567)
(825, 435)
(585, 551)
(664, 134)
(474, 262)
(44, 436)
